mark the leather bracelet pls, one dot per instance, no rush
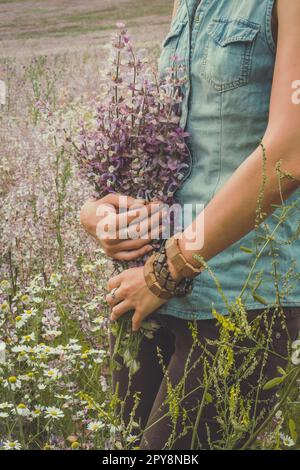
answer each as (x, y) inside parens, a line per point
(159, 280)
(165, 279)
(151, 281)
(182, 267)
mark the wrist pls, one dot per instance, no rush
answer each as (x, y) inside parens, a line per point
(182, 263)
(188, 254)
(159, 278)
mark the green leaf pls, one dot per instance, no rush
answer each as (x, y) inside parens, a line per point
(281, 371)
(273, 383)
(246, 250)
(259, 298)
(293, 430)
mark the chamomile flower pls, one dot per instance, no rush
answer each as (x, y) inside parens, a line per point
(52, 374)
(21, 320)
(22, 410)
(36, 413)
(30, 312)
(5, 405)
(25, 298)
(41, 386)
(13, 383)
(28, 338)
(287, 440)
(4, 307)
(95, 426)
(11, 445)
(53, 412)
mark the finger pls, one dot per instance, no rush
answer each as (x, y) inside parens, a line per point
(112, 301)
(114, 281)
(108, 211)
(130, 245)
(148, 229)
(124, 219)
(154, 212)
(121, 200)
(143, 228)
(136, 321)
(132, 255)
(120, 310)
(137, 215)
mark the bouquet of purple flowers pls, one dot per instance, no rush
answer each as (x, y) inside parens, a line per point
(135, 145)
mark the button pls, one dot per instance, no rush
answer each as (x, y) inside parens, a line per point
(278, 335)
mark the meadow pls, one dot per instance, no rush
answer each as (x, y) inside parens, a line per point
(55, 367)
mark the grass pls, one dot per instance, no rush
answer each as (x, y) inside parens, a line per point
(48, 23)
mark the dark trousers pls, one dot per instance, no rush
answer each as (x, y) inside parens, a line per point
(174, 340)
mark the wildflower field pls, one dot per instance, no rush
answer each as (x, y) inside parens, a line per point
(55, 367)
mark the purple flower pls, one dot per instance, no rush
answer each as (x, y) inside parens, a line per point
(135, 146)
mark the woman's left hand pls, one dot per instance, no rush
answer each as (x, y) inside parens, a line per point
(132, 293)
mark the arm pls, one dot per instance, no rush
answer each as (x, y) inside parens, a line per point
(235, 217)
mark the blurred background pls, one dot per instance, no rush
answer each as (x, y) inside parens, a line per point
(43, 26)
(54, 59)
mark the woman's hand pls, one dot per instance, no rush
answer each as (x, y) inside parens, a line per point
(106, 212)
(132, 293)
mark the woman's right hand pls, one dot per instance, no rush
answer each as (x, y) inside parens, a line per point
(105, 212)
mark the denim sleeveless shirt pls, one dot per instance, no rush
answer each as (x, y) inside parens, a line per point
(228, 52)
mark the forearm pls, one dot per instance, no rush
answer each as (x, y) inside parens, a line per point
(232, 213)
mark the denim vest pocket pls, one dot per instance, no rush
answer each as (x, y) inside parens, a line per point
(228, 52)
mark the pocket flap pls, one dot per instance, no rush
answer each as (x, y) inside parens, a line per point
(225, 31)
(174, 31)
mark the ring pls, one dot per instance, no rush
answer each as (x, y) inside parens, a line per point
(113, 293)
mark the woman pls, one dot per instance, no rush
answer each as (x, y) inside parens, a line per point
(241, 59)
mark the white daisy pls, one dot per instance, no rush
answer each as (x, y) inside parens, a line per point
(95, 426)
(21, 320)
(28, 338)
(11, 445)
(13, 383)
(37, 412)
(52, 374)
(53, 412)
(22, 410)
(287, 440)
(5, 405)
